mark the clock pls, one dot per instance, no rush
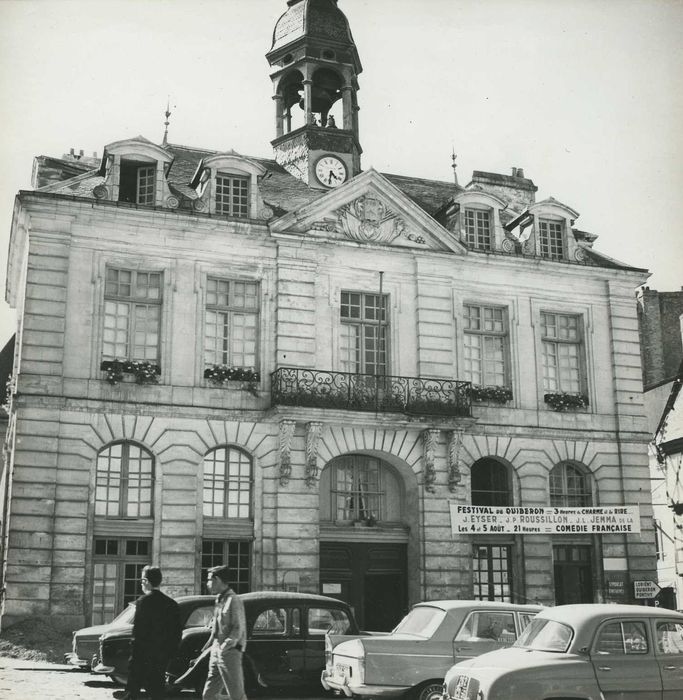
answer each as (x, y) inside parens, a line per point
(331, 171)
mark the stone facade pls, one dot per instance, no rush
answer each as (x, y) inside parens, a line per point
(341, 445)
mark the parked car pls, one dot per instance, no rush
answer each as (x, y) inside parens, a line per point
(196, 612)
(581, 652)
(416, 655)
(86, 641)
(285, 642)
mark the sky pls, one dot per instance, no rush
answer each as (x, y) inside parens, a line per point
(585, 95)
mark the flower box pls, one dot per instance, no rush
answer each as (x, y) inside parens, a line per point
(144, 372)
(219, 374)
(562, 401)
(497, 394)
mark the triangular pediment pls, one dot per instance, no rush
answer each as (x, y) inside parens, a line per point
(369, 209)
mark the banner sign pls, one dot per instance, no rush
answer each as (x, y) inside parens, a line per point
(486, 520)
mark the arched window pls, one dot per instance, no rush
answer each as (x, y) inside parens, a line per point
(227, 483)
(360, 488)
(124, 481)
(569, 486)
(490, 483)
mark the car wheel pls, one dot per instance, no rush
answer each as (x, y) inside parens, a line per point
(431, 690)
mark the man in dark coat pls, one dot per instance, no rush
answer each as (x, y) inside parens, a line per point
(156, 636)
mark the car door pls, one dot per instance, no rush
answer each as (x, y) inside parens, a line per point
(482, 631)
(276, 644)
(669, 636)
(321, 619)
(624, 662)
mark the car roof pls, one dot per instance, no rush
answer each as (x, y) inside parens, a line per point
(265, 595)
(479, 604)
(579, 614)
(290, 596)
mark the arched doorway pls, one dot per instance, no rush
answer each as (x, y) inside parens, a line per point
(363, 560)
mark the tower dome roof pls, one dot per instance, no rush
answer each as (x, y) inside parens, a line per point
(314, 19)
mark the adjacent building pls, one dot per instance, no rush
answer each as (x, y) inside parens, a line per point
(660, 315)
(301, 368)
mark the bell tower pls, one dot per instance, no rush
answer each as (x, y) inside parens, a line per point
(314, 68)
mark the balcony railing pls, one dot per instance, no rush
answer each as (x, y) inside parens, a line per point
(291, 386)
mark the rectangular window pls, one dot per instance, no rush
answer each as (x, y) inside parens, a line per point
(232, 195)
(236, 554)
(551, 239)
(132, 315)
(363, 334)
(117, 568)
(231, 323)
(492, 572)
(478, 228)
(137, 182)
(486, 345)
(561, 352)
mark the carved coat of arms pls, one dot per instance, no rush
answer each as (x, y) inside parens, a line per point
(368, 220)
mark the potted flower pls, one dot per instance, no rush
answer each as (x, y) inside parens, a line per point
(497, 394)
(564, 401)
(143, 371)
(220, 374)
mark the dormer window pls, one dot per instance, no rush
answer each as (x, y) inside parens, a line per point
(551, 239)
(232, 195)
(227, 185)
(478, 228)
(136, 182)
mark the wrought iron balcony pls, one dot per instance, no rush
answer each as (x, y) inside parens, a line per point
(291, 386)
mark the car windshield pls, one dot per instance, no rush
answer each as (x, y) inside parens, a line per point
(124, 618)
(421, 621)
(545, 635)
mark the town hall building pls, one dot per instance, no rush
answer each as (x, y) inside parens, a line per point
(301, 368)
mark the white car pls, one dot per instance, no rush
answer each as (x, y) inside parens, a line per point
(415, 656)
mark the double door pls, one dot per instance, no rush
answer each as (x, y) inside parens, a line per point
(370, 577)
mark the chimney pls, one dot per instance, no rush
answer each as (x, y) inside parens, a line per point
(514, 172)
(520, 172)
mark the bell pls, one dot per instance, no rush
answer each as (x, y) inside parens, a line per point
(321, 99)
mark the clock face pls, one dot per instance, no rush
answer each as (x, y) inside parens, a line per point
(330, 171)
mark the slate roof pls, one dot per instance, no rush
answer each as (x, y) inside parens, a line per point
(283, 192)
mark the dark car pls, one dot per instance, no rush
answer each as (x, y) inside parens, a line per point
(285, 642)
(111, 658)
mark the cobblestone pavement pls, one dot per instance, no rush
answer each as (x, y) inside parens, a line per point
(38, 680)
